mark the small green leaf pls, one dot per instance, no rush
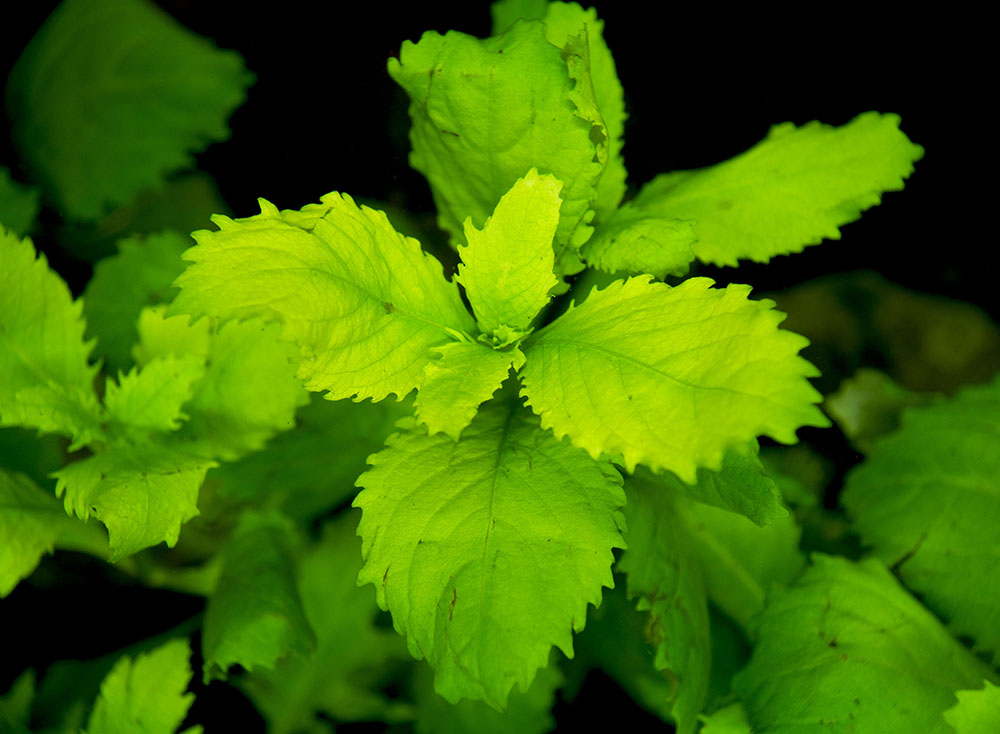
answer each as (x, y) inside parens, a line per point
(142, 494)
(977, 712)
(504, 105)
(506, 268)
(145, 695)
(110, 97)
(729, 720)
(927, 500)
(465, 376)
(669, 377)
(15, 705)
(255, 617)
(631, 240)
(19, 204)
(139, 275)
(793, 189)
(30, 521)
(666, 576)
(846, 649)
(363, 303)
(507, 530)
(45, 379)
(150, 399)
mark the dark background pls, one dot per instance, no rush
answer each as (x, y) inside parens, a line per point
(702, 84)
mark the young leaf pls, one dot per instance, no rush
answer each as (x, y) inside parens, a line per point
(466, 375)
(255, 617)
(142, 494)
(562, 21)
(363, 303)
(18, 204)
(102, 114)
(506, 268)
(30, 521)
(45, 379)
(669, 377)
(977, 712)
(793, 189)
(503, 105)
(631, 240)
(729, 720)
(146, 694)
(150, 399)
(927, 500)
(487, 551)
(242, 359)
(138, 276)
(830, 648)
(666, 576)
(354, 659)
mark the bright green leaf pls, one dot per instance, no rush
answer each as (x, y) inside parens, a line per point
(142, 494)
(353, 660)
(846, 649)
(507, 530)
(145, 695)
(665, 575)
(363, 303)
(110, 97)
(730, 720)
(45, 379)
(504, 105)
(669, 377)
(506, 267)
(632, 241)
(18, 204)
(139, 275)
(255, 616)
(977, 712)
(465, 376)
(928, 501)
(793, 189)
(563, 20)
(150, 399)
(30, 521)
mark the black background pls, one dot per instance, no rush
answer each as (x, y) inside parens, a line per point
(702, 84)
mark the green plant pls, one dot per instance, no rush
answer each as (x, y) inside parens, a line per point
(581, 407)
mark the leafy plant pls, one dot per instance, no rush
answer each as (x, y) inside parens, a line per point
(586, 404)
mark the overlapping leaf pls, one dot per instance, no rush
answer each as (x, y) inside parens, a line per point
(793, 189)
(255, 616)
(847, 649)
(45, 379)
(928, 501)
(110, 97)
(507, 531)
(669, 377)
(977, 712)
(151, 399)
(363, 303)
(502, 106)
(146, 694)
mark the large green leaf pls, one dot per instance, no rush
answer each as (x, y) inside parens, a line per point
(110, 97)
(45, 379)
(846, 649)
(793, 189)
(669, 377)
(30, 521)
(142, 494)
(562, 21)
(254, 616)
(363, 303)
(506, 267)
(139, 275)
(146, 694)
(484, 112)
(487, 551)
(927, 500)
(665, 575)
